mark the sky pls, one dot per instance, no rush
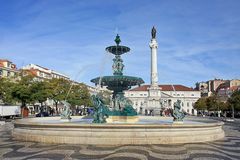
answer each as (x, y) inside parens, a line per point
(198, 40)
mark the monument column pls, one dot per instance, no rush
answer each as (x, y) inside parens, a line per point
(153, 45)
(154, 91)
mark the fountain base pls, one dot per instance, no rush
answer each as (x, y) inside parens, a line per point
(148, 130)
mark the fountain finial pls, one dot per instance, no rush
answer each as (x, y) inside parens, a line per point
(117, 39)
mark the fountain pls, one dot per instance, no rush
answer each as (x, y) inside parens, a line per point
(122, 107)
(121, 125)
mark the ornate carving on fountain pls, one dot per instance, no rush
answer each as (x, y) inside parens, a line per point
(101, 112)
(117, 65)
(67, 112)
(176, 113)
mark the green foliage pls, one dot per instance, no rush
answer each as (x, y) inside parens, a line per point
(79, 95)
(223, 106)
(212, 103)
(27, 90)
(58, 89)
(6, 87)
(200, 104)
(234, 100)
(39, 91)
(22, 90)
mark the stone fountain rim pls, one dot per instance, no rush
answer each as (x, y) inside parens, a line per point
(29, 123)
(116, 134)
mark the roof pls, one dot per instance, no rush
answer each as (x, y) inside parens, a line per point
(5, 60)
(166, 87)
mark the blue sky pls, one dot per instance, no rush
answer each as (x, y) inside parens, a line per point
(198, 39)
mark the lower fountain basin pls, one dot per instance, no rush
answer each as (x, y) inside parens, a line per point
(148, 130)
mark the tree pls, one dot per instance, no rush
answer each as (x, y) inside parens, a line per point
(58, 89)
(212, 103)
(79, 95)
(39, 91)
(6, 87)
(234, 100)
(200, 105)
(223, 106)
(22, 90)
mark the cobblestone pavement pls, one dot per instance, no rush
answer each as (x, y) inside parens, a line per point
(228, 148)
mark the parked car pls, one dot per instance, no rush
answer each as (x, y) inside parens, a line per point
(42, 114)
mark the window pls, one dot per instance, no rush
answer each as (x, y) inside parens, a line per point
(187, 104)
(141, 94)
(178, 94)
(192, 94)
(8, 65)
(182, 104)
(1, 72)
(8, 74)
(131, 94)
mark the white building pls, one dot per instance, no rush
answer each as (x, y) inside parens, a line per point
(41, 73)
(169, 95)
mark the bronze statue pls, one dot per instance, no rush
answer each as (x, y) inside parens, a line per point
(154, 31)
(67, 112)
(176, 113)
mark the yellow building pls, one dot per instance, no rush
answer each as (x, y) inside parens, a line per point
(7, 69)
(234, 82)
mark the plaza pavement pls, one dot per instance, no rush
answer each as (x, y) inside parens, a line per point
(226, 149)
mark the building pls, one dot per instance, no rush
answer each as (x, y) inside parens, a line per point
(155, 98)
(203, 88)
(217, 86)
(169, 95)
(41, 73)
(8, 69)
(225, 90)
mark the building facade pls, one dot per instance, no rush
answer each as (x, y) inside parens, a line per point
(169, 95)
(8, 69)
(217, 86)
(41, 73)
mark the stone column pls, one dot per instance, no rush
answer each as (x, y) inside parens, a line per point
(154, 74)
(154, 92)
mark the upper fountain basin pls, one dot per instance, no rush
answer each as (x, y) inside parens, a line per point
(118, 81)
(118, 50)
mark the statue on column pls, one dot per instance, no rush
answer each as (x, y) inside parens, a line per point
(154, 31)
